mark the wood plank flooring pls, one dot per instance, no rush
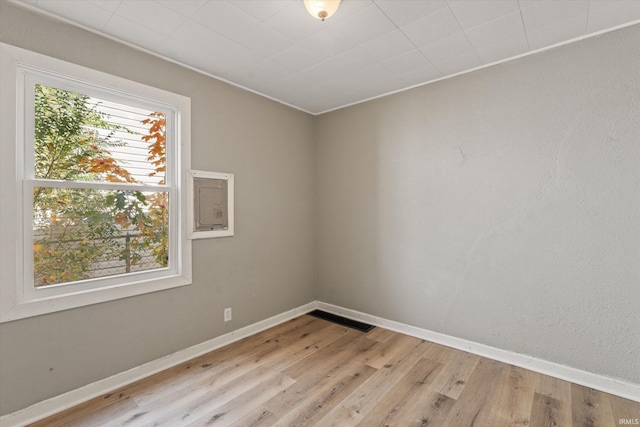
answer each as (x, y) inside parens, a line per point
(312, 372)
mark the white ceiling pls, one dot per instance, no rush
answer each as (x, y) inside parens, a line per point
(367, 49)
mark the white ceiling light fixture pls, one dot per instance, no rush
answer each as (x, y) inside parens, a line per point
(321, 9)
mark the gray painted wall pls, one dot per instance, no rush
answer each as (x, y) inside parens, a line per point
(268, 267)
(501, 206)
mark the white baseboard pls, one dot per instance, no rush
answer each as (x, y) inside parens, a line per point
(67, 400)
(599, 382)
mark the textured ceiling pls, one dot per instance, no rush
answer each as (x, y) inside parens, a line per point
(367, 49)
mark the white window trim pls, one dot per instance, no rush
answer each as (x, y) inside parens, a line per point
(18, 297)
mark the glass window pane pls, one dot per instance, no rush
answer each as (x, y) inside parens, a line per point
(82, 234)
(82, 138)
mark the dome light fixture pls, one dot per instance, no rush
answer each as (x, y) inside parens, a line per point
(321, 9)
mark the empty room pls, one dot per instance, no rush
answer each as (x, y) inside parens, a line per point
(329, 213)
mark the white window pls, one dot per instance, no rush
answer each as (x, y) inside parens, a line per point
(91, 186)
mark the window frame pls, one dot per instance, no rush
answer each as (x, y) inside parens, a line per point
(20, 70)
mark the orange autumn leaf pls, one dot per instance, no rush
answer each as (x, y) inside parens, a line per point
(121, 218)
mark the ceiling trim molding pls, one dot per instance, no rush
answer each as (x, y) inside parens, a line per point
(213, 76)
(509, 59)
(149, 52)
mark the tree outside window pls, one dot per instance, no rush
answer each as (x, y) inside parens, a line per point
(85, 233)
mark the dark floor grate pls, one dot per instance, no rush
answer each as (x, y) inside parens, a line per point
(354, 324)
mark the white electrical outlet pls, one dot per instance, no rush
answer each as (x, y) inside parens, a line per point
(227, 314)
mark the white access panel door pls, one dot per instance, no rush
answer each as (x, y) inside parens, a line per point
(210, 204)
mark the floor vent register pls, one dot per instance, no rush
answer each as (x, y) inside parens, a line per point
(354, 324)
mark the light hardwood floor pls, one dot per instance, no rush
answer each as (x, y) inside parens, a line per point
(311, 372)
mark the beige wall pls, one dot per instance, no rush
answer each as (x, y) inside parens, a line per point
(501, 206)
(268, 267)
